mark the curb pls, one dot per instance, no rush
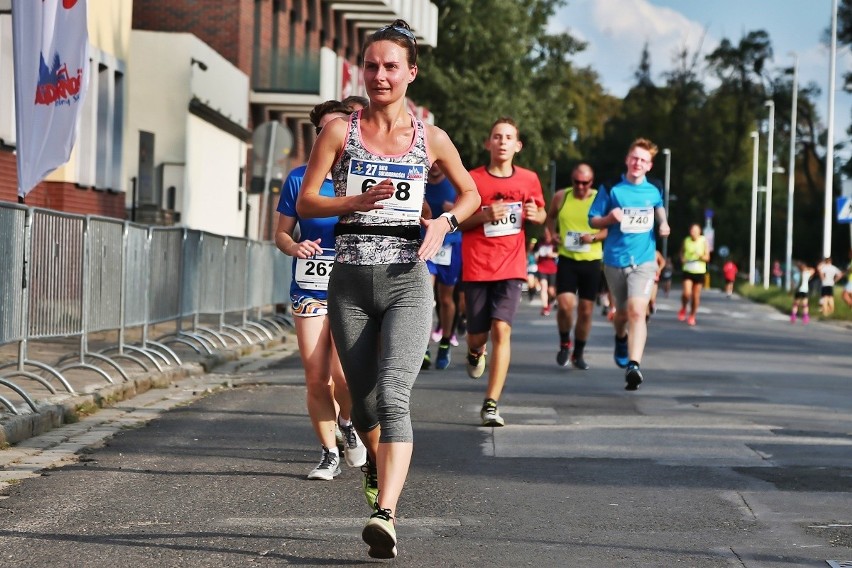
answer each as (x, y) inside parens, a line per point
(69, 409)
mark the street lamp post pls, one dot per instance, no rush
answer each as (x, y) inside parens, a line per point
(767, 230)
(791, 178)
(752, 254)
(829, 143)
(666, 186)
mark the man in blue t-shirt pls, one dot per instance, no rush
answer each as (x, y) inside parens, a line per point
(445, 268)
(629, 208)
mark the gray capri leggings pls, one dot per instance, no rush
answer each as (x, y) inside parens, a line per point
(380, 317)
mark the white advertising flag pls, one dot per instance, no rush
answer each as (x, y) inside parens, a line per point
(51, 55)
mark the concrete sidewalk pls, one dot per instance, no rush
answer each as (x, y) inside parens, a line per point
(93, 393)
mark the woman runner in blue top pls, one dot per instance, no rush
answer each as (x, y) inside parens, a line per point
(313, 256)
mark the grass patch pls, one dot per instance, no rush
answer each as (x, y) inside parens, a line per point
(83, 410)
(782, 300)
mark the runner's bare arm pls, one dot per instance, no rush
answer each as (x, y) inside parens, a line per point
(444, 153)
(326, 149)
(662, 221)
(551, 231)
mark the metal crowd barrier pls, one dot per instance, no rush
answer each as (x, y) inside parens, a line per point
(13, 253)
(68, 276)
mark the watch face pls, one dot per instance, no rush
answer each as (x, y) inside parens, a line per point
(454, 224)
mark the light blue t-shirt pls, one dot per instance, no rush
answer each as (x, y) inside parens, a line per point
(310, 229)
(622, 249)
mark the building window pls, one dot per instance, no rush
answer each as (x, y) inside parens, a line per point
(171, 198)
(99, 146)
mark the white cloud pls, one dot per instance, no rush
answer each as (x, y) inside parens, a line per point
(617, 30)
(634, 22)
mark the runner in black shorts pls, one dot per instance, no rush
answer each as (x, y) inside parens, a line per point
(579, 267)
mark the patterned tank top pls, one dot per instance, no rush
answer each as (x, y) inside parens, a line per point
(367, 249)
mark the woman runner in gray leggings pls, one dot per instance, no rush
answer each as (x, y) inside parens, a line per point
(380, 297)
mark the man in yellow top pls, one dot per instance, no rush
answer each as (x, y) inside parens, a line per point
(579, 266)
(694, 255)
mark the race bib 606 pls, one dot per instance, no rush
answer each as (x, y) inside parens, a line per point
(511, 224)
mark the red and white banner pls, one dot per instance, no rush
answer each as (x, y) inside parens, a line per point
(51, 55)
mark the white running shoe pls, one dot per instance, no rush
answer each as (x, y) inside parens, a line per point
(355, 452)
(328, 467)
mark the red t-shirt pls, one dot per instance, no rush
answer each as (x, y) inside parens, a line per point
(503, 255)
(545, 260)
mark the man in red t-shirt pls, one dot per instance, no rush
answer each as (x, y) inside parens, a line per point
(494, 259)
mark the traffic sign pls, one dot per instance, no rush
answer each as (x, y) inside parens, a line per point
(844, 209)
(271, 146)
(709, 237)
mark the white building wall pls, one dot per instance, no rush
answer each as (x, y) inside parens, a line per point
(211, 198)
(162, 81)
(7, 83)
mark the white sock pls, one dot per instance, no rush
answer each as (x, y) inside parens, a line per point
(344, 423)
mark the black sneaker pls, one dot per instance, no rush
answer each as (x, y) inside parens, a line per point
(579, 362)
(633, 377)
(562, 356)
(427, 361)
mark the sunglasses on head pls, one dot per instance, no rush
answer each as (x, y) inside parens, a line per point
(399, 30)
(581, 182)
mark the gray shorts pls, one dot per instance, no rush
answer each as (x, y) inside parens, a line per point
(630, 282)
(380, 318)
(487, 301)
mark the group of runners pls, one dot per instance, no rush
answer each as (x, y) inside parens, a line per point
(827, 275)
(385, 213)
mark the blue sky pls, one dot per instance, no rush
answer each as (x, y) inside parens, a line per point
(616, 31)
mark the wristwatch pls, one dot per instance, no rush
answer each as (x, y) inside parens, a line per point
(451, 219)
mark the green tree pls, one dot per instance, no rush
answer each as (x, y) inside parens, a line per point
(496, 58)
(741, 68)
(844, 37)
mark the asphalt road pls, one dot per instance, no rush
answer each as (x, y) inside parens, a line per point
(737, 451)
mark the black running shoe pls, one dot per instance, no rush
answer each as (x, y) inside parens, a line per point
(562, 356)
(633, 377)
(579, 362)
